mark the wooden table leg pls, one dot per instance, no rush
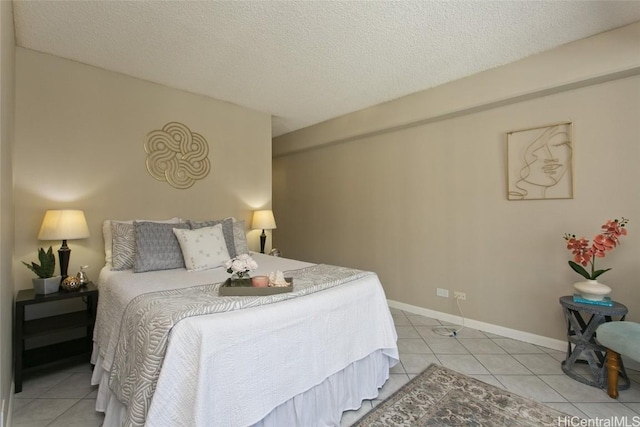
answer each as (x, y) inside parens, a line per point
(613, 367)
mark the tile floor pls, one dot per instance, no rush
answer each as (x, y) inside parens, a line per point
(64, 397)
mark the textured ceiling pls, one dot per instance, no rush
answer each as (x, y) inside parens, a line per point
(304, 62)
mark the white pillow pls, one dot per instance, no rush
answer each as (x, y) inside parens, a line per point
(202, 248)
(108, 238)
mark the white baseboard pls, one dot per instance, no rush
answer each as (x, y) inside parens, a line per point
(482, 326)
(5, 408)
(10, 409)
(498, 330)
(630, 363)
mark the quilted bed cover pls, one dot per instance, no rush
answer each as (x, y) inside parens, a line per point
(297, 360)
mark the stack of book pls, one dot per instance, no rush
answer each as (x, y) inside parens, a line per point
(606, 301)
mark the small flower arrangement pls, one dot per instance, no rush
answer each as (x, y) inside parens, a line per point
(585, 254)
(240, 266)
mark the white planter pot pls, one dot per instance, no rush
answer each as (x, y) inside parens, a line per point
(46, 286)
(592, 290)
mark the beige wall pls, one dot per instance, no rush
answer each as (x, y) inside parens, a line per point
(424, 205)
(7, 75)
(79, 144)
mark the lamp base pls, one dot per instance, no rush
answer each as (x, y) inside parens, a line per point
(263, 240)
(64, 253)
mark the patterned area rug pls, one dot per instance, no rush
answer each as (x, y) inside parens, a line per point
(442, 397)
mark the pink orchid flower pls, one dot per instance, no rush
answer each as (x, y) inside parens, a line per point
(602, 243)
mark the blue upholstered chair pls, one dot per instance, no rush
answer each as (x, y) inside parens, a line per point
(619, 338)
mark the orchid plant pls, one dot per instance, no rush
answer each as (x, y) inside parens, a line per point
(585, 254)
(240, 266)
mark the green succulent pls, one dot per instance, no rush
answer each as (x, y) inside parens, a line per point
(47, 264)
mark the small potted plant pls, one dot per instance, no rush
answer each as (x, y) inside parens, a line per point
(46, 283)
(586, 253)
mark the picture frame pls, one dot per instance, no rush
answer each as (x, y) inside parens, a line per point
(540, 162)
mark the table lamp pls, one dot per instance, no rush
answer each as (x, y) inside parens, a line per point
(64, 225)
(263, 220)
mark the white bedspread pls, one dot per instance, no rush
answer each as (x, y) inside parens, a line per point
(234, 368)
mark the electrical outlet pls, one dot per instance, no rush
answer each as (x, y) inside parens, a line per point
(442, 292)
(460, 295)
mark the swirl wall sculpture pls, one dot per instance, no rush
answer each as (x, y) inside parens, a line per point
(177, 155)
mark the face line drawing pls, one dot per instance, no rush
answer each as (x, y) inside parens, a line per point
(554, 162)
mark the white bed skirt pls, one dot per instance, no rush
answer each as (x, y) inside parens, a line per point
(322, 405)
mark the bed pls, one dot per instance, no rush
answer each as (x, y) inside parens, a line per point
(298, 361)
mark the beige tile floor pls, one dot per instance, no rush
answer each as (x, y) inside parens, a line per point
(64, 397)
(522, 368)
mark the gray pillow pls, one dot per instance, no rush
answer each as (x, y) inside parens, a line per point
(157, 248)
(227, 231)
(240, 238)
(123, 246)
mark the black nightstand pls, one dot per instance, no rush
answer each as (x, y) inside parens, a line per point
(76, 349)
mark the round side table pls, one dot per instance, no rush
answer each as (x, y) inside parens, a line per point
(582, 346)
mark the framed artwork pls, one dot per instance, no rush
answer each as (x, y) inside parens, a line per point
(540, 163)
(177, 155)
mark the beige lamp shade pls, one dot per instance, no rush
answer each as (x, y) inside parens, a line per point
(263, 220)
(63, 225)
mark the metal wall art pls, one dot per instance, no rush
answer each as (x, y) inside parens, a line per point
(540, 163)
(177, 155)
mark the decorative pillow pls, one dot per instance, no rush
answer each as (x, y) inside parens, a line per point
(227, 231)
(202, 248)
(108, 237)
(156, 247)
(124, 246)
(240, 238)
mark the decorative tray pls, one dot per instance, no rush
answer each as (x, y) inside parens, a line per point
(244, 287)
